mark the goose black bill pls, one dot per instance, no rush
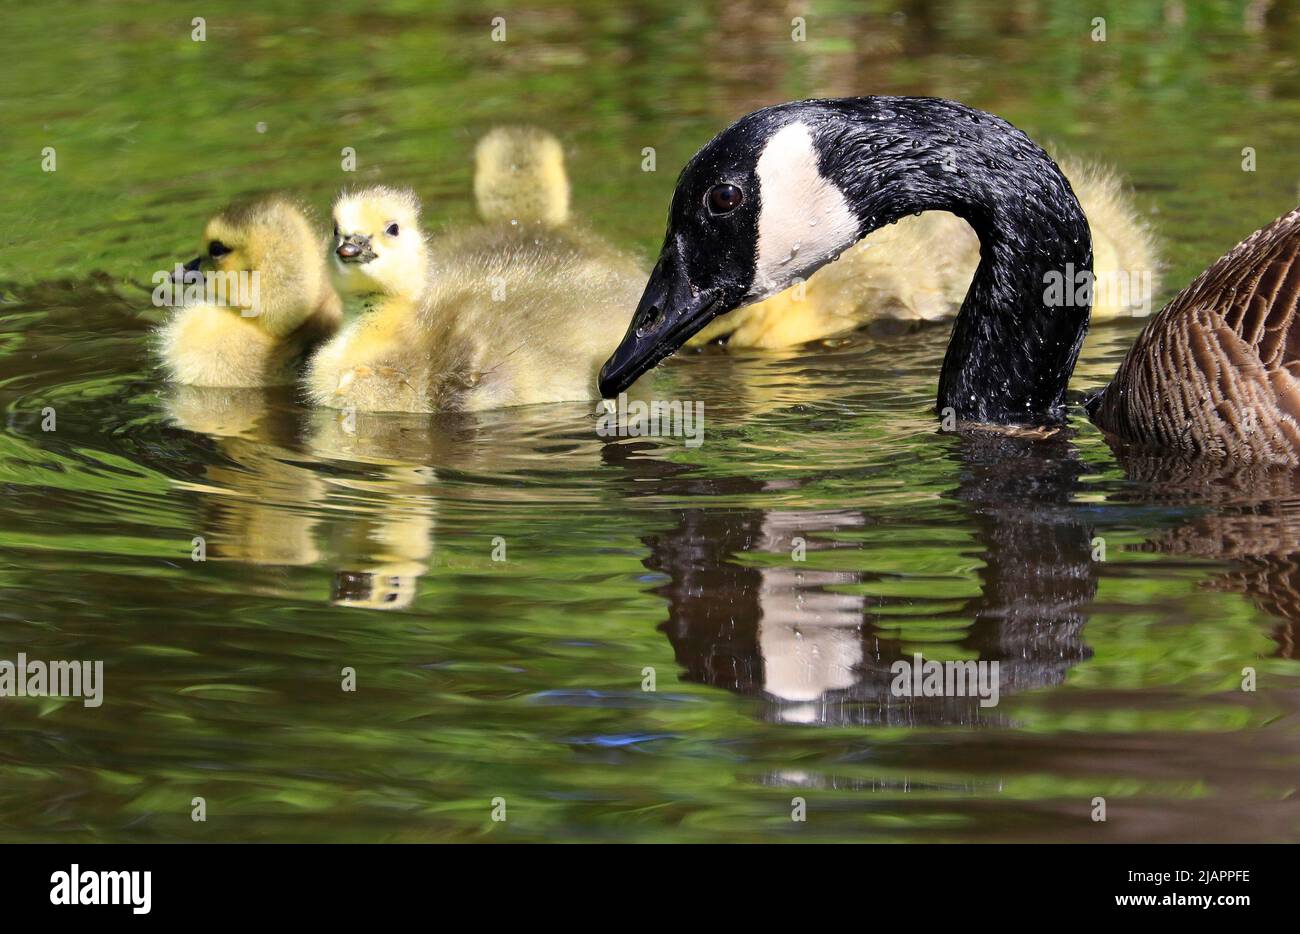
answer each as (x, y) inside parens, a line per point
(671, 310)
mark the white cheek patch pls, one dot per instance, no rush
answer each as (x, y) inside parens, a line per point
(804, 218)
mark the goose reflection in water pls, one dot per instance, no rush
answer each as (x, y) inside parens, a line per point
(1250, 517)
(819, 648)
(815, 640)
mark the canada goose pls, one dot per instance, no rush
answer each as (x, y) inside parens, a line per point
(786, 189)
(277, 300)
(921, 267)
(504, 315)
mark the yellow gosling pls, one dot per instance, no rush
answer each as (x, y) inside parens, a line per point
(506, 314)
(277, 302)
(381, 269)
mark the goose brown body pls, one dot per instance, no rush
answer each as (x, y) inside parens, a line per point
(1217, 371)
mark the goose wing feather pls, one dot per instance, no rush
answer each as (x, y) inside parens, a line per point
(1217, 371)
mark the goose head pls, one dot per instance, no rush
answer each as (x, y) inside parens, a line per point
(379, 248)
(753, 210)
(786, 189)
(270, 257)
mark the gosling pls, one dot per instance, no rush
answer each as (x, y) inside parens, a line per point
(269, 320)
(508, 313)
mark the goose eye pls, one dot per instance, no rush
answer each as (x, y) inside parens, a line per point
(391, 230)
(723, 199)
(217, 248)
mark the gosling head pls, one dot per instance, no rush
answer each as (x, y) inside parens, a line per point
(379, 248)
(519, 177)
(270, 261)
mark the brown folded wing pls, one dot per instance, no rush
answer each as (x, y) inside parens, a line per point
(1217, 371)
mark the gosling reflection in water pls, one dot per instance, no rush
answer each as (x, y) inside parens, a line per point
(390, 547)
(354, 493)
(253, 493)
(270, 501)
(381, 523)
(820, 648)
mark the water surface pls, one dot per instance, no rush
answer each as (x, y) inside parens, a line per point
(371, 546)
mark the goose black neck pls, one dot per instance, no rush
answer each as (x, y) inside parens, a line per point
(1017, 336)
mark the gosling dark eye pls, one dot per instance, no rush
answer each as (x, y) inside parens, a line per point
(723, 199)
(217, 248)
(391, 230)
(336, 230)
